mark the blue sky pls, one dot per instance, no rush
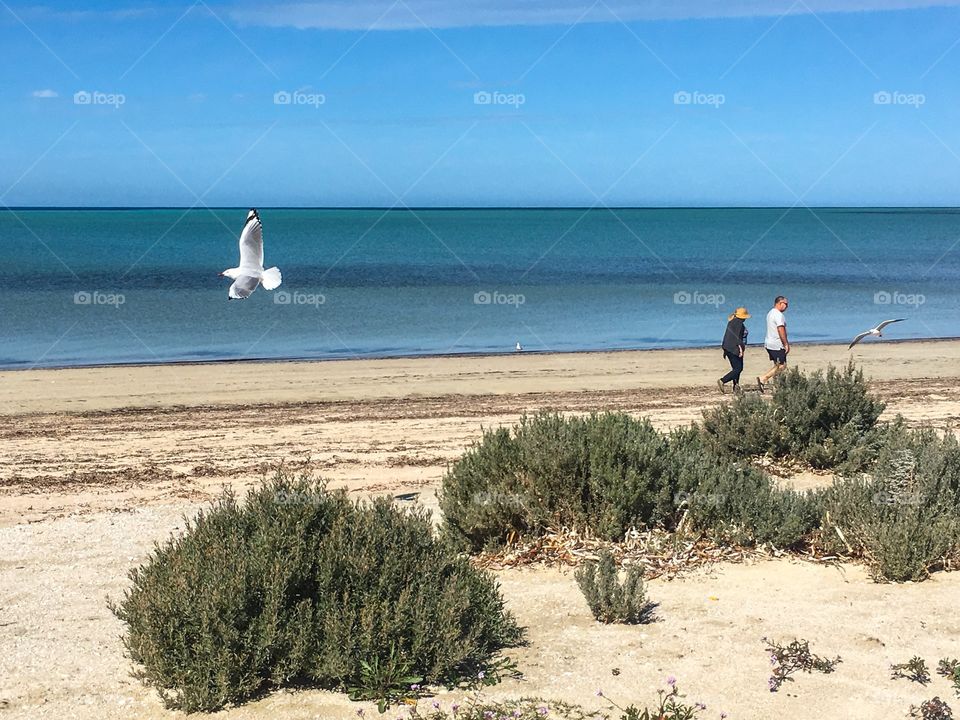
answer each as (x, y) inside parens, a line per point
(532, 102)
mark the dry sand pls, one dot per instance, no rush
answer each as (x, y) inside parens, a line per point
(97, 464)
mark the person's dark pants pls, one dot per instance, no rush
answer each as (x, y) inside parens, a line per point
(736, 367)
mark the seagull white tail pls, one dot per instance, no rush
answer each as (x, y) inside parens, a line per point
(271, 278)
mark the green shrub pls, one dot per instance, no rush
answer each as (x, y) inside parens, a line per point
(904, 518)
(604, 471)
(733, 499)
(824, 419)
(610, 473)
(301, 585)
(609, 600)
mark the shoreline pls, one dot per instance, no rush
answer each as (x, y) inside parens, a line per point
(297, 382)
(452, 355)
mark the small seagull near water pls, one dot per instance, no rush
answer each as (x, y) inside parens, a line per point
(878, 331)
(250, 273)
(519, 347)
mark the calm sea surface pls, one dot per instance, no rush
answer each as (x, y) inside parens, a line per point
(82, 287)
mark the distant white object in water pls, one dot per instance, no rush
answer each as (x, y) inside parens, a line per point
(250, 273)
(519, 347)
(874, 331)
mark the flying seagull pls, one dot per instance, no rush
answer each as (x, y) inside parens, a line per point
(251, 273)
(874, 331)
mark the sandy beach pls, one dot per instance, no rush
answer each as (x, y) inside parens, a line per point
(99, 463)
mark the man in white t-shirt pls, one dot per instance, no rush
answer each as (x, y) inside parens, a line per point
(776, 341)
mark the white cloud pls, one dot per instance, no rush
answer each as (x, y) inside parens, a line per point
(413, 14)
(45, 94)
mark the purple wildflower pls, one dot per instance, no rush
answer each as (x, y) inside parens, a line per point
(436, 704)
(481, 674)
(599, 692)
(455, 707)
(542, 710)
(488, 714)
(671, 681)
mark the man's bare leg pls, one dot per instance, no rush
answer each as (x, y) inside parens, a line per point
(772, 373)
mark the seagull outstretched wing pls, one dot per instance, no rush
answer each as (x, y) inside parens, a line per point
(858, 338)
(882, 325)
(251, 243)
(243, 287)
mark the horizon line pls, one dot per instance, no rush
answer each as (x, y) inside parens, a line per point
(11, 208)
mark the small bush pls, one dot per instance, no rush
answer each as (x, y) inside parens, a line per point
(301, 585)
(935, 709)
(904, 518)
(915, 670)
(610, 473)
(787, 660)
(609, 600)
(733, 499)
(825, 419)
(604, 471)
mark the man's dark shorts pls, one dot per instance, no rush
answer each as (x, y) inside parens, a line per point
(778, 356)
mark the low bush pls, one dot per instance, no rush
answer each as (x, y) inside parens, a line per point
(787, 660)
(301, 585)
(824, 419)
(609, 600)
(915, 670)
(903, 518)
(610, 473)
(604, 471)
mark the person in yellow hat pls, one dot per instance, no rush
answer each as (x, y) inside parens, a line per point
(734, 345)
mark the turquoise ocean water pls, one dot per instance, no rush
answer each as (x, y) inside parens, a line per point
(84, 287)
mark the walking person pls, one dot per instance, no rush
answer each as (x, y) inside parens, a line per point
(734, 345)
(776, 342)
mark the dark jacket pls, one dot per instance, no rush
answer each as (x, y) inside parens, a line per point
(735, 337)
